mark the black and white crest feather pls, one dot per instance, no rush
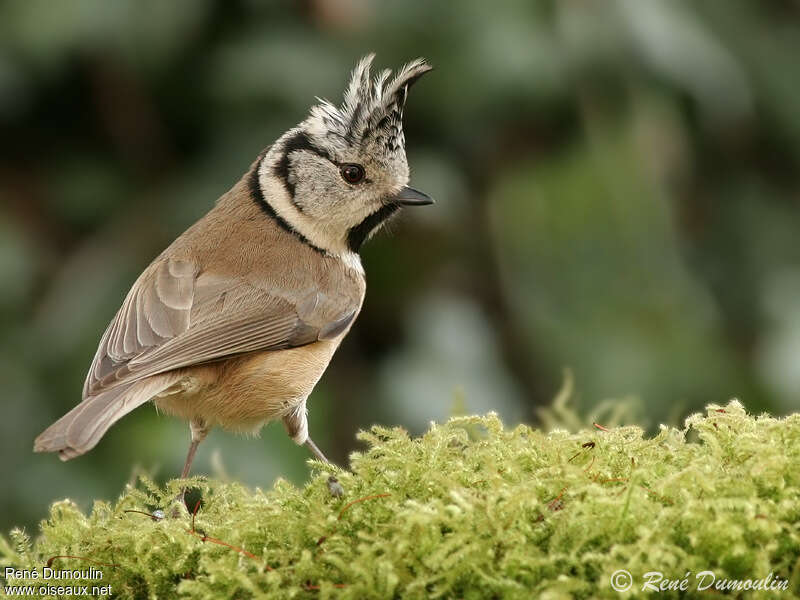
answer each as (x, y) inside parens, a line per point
(300, 179)
(372, 112)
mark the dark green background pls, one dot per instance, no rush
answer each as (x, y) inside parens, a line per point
(617, 188)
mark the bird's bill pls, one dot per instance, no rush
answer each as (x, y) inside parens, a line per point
(408, 196)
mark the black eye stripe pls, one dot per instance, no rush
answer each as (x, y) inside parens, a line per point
(299, 141)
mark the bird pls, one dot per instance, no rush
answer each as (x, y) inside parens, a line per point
(233, 324)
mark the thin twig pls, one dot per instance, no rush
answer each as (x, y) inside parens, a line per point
(361, 500)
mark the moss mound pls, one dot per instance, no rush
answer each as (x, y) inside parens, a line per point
(469, 510)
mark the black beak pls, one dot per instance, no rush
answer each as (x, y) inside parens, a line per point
(408, 196)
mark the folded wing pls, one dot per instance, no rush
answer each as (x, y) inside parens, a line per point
(177, 315)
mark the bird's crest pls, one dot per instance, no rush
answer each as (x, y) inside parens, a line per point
(372, 111)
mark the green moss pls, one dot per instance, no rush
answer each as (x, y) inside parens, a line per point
(469, 510)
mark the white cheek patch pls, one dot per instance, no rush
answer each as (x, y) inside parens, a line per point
(276, 195)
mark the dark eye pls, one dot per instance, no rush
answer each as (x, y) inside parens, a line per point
(352, 173)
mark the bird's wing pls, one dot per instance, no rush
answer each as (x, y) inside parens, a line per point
(176, 316)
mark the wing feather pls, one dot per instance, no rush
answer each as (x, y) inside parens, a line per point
(176, 316)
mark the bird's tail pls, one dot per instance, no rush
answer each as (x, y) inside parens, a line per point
(80, 429)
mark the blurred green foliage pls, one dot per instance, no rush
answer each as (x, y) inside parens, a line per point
(617, 189)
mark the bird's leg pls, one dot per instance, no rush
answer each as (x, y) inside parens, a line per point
(334, 487)
(296, 426)
(199, 430)
(316, 451)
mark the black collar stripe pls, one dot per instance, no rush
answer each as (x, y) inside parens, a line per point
(257, 194)
(299, 141)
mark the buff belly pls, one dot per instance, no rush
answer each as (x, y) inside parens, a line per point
(243, 393)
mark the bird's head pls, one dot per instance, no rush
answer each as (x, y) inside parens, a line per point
(342, 172)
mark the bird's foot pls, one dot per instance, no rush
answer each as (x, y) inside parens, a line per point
(334, 487)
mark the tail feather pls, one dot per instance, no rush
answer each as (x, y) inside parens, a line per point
(80, 429)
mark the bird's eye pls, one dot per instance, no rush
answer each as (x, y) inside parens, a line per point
(352, 173)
